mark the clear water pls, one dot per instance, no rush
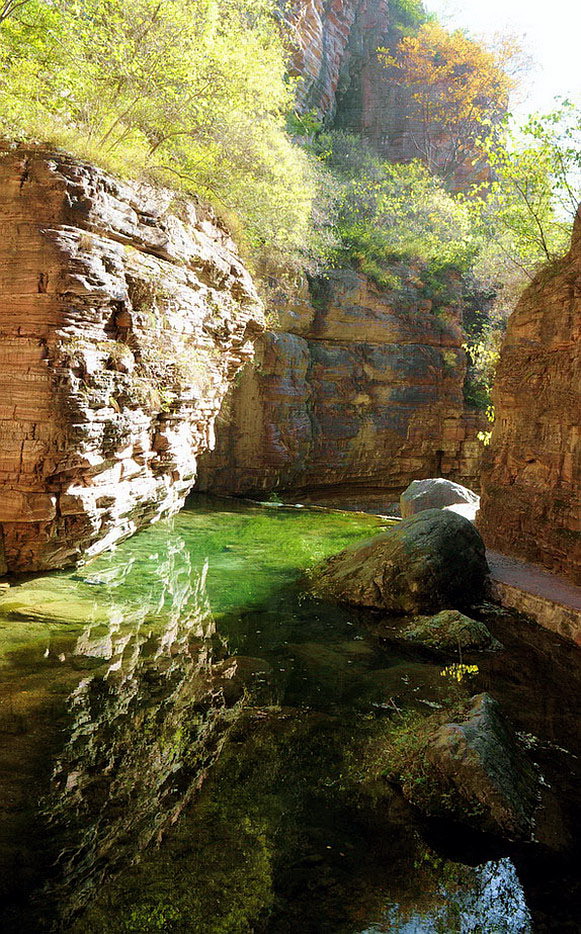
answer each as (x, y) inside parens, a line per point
(178, 723)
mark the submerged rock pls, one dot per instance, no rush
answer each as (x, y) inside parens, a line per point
(450, 631)
(464, 764)
(429, 562)
(484, 773)
(437, 493)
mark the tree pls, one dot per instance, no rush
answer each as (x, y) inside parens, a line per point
(527, 211)
(456, 87)
(389, 213)
(7, 7)
(193, 93)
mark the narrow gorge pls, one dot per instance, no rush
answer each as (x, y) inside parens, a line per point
(290, 463)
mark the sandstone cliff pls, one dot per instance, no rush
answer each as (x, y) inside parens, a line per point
(357, 394)
(334, 47)
(324, 34)
(122, 325)
(531, 503)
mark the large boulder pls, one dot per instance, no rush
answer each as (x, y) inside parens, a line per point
(429, 562)
(436, 493)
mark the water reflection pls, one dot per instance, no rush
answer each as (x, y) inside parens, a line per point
(492, 901)
(174, 723)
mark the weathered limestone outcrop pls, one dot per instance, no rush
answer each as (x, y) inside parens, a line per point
(122, 325)
(360, 392)
(531, 502)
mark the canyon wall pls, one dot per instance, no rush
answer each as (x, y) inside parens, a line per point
(356, 395)
(124, 318)
(318, 33)
(334, 47)
(356, 391)
(531, 500)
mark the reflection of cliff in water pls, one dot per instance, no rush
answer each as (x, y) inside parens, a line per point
(143, 731)
(155, 697)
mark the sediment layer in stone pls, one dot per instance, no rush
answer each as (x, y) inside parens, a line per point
(358, 395)
(122, 324)
(531, 499)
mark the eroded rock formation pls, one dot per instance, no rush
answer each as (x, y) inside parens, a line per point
(318, 32)
(122, 325)
(531, 504)
(351, 400)
(334, 47)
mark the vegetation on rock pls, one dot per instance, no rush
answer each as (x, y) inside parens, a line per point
(457, 87)
(388, 213)
(450, 631)
(192, 93)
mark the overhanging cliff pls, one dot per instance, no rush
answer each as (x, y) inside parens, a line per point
(124, 318)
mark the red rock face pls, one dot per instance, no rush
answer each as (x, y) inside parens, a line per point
(349, 403)
(334, 53)
(319, 32)
(121, 327)
(531, 505)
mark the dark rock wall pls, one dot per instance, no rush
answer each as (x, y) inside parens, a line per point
(359, 396)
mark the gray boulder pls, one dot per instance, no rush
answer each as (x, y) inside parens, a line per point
(429, 562)
(436, 493)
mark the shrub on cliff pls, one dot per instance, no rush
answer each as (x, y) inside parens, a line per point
(389, 212)
(190, 92)
(458, 92)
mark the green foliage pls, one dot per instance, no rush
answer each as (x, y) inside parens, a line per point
(389, 213)
(408, 14)
(483, 355)
(192, 93)
(526, 214)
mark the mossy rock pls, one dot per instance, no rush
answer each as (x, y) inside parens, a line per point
(450, 632)
(465, 764)
(433, 561)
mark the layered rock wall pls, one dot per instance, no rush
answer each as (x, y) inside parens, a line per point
(531, 497)
(121, 327)
(357, 392)
(334, 45)
(352, 400)
(318, 33)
